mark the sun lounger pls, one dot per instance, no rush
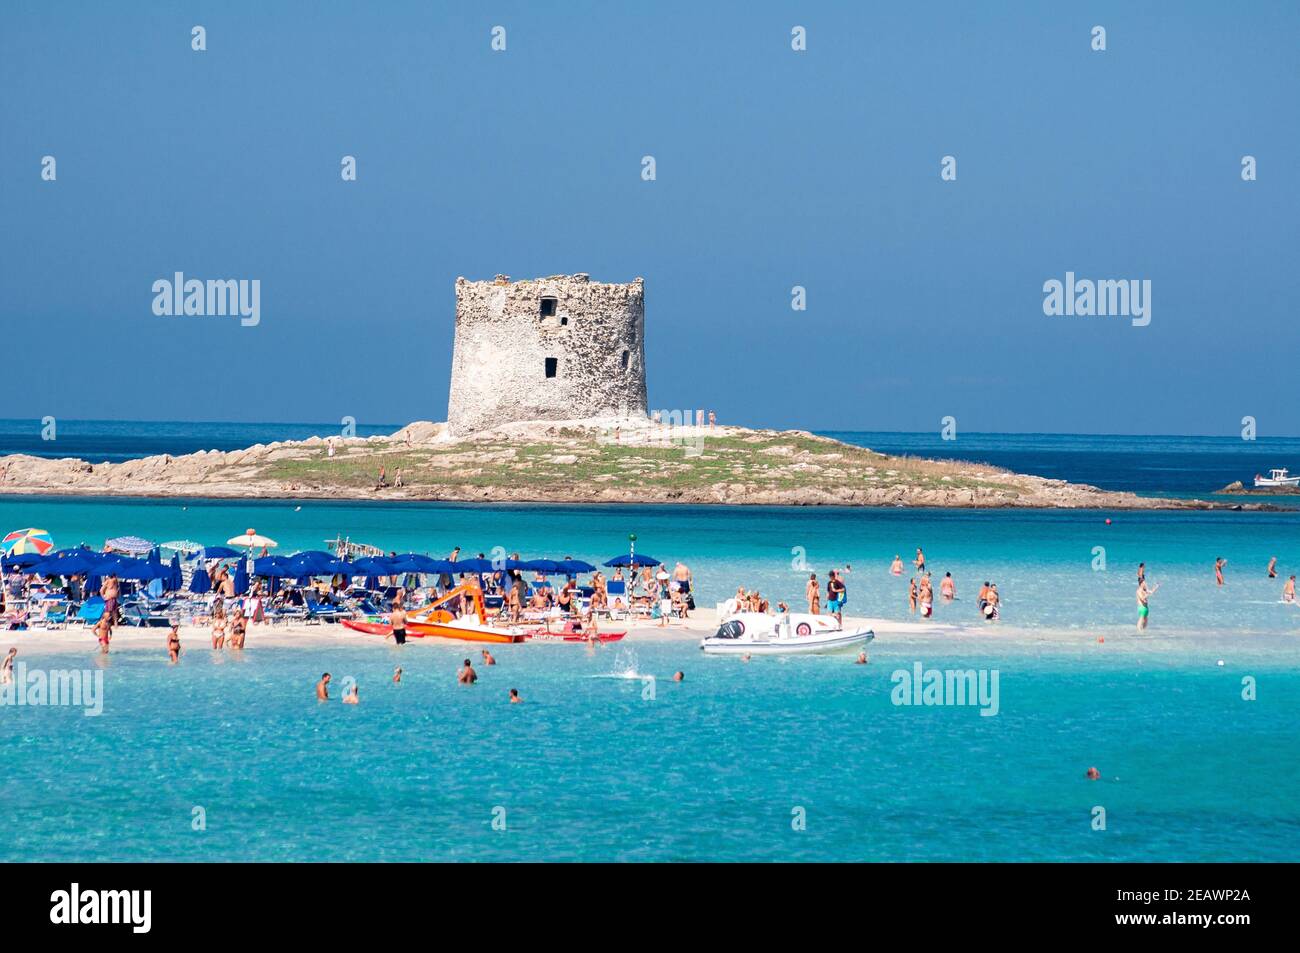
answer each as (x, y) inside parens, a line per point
(319, 612)
(91, 610)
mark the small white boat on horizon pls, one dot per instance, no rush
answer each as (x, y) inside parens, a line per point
(756, 633)
(1277, 477)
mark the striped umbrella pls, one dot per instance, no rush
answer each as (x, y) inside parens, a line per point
(27, 541)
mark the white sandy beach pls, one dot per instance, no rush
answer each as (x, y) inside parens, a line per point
(80, 639)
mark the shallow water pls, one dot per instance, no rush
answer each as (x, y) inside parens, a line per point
(610, 768)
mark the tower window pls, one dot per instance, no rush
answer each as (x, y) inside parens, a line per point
(564, 321)
(626, 357)
(552, 365)
(548, 307)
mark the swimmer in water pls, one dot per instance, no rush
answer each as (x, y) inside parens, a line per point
(679, 677)
(948, 588)
(896, 567)
(1093, 774)
(350, 696)
(397, 675)
(487, 658)
(1288, 590)
(174, 644)
(467, 675)
(745, 657)
(1272, 568)
(322, 688)
(1219, 563)
(514, 696)
(862, 658)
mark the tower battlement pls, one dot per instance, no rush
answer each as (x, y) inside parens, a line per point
(555, 348)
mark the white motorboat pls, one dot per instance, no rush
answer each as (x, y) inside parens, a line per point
(756, 633)
(1277, 477)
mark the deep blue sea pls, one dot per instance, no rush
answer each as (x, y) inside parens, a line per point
(589, 768)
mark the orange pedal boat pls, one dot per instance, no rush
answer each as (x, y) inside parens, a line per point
(442, 623)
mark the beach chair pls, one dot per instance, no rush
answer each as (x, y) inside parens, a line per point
(91, 610)
(616, 593)
(318, 612)
(53, 613)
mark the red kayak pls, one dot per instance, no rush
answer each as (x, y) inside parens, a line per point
(370, 628)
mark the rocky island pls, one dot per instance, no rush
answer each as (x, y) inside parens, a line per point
(593, 460)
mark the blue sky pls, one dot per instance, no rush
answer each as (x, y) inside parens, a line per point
(775, 169)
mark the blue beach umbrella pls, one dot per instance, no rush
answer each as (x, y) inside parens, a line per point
(275, 567)
(219, 552)
(637, 560)
(474, 565)
(415, 562)
(241, 577)
(175, 579)
(372, 566)
(200, 584)
(576, 565)
(22, 560)
(80, 561)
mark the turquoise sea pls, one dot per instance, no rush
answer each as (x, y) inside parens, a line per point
(597, 764)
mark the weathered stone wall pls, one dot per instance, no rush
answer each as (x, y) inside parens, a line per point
(504, 338)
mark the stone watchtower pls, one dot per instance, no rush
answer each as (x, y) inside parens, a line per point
(555, 348)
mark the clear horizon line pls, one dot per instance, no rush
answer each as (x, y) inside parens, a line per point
(817, 430)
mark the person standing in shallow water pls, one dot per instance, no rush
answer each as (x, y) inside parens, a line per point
(1272, 568)
(174, 644)
(1219, 563)
(1144, 609)
(467, 675)
(323, 688)
(7, 667)
(1288, 590)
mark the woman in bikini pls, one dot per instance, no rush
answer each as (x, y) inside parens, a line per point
(174, 644)
(218, 628)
